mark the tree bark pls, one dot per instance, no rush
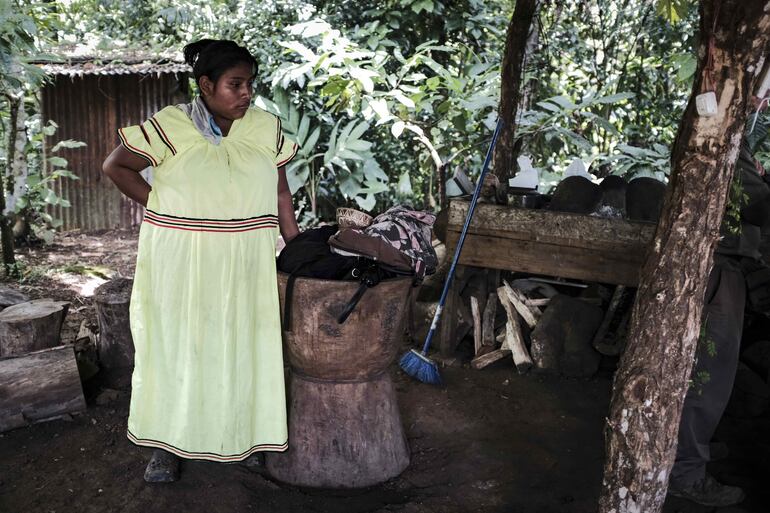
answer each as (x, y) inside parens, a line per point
(510, 91)
(652, 380)
(6, 180)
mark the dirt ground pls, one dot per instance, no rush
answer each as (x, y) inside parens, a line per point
(490, 441)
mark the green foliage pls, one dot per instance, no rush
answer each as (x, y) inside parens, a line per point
(39, 193)
(673, 10)
(24, 28)
(736, 200)
(380, 95)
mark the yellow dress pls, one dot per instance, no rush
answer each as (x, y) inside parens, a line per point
(208, 381)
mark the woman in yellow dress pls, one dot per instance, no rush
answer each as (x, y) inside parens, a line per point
(208, 379)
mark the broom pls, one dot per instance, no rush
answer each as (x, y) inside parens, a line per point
(417, 364)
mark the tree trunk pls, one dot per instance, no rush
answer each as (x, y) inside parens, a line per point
(652, 380)
(15, 105)
(510, 91)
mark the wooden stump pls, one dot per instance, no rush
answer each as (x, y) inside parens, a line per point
(31, 326)
(344, 426)
(116, 346)
(341, 435)
(39, 386)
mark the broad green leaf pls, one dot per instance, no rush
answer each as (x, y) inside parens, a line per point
(380, 107)
(67, 143)
(549, 106)
(404, 184)
(297, 175)
(398, 95)
(367, 203)
(57, 161)
(302, 131)
(563, 102)
(614, 98)
(309, 145)
(397, 129)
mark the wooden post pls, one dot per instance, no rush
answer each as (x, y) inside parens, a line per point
(39, 386)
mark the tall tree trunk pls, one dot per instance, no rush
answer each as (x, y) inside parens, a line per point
(529, 88)
(510, 91)
(652, 380)
(16, 108)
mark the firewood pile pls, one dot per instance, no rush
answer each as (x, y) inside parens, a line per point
(40, 376)
(537, 325)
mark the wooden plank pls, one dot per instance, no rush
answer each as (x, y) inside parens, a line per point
(488, 321)
(476, 325)
(561, 228)
(39, 386)
(549, 259)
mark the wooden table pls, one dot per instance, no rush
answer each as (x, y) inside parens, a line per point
(551, 243)
(543, 242)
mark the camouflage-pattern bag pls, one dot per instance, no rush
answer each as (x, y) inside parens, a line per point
(399, 240)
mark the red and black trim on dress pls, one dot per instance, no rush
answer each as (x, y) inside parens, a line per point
(280, 141)
(210, 456)
(162, 135)
(194, 224)
(136, 151)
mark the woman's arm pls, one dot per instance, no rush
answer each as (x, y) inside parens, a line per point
(123, 168)
(286, 220)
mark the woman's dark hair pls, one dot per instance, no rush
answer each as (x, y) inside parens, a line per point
(212, 57)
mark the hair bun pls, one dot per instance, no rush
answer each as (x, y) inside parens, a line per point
(192, 50)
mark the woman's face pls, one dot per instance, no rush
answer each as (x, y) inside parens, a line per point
(230, 96)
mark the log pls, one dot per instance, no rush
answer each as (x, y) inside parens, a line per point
(530, 314)
(537, 302)
(480, 362)
(477, 341)
(10, 297)
(514, 341)
(39, 386)
(116, 346)
(31, 326)
(488, 321)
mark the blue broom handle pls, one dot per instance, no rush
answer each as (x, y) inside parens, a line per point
(461, 241)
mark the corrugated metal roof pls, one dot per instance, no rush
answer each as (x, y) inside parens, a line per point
(113, 67)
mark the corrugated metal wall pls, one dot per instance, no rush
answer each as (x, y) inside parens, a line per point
(90, 108)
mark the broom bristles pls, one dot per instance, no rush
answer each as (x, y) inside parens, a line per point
(421, 368)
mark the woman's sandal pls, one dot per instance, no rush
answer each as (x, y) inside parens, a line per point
(162, 468)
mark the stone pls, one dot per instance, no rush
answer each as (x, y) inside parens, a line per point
(644, 199)
(576, 194)
(561, 341)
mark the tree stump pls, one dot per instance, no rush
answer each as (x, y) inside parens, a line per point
(31, 326)
(39, 386)
(116, 346)
(344, 426)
